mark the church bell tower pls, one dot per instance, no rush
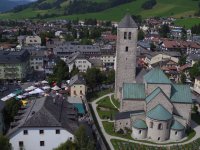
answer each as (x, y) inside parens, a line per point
(125, 53)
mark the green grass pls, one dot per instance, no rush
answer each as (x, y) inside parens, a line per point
(119, 145)
(105, 102)
(94, 95)
(109, 128)
(187, 22)
(196, 118)
(115, 101)
(175, 8)
(109, 114)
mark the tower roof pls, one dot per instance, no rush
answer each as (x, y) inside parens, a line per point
(140, 124)
(177, 126)
(127, 22)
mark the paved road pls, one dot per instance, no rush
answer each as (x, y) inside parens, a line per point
(108, 137)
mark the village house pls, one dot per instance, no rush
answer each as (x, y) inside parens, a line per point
(197, 85)
(14, 65)
(44, 123)
(78, 86)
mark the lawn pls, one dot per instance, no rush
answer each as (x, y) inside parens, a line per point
(187, 22)
(103, 114)
(196, 118)
(123, 145)
(175, 8)
(115, 101)
(109, 128)
(94, 95)
(105, 102)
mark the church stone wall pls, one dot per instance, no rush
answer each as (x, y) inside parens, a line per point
(125, 58)
(183, 110)
(132, 105)
(165, 87)
(160, 99)
(158, 134)
(122, 124)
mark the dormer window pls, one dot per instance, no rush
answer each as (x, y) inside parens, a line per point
(125, 35)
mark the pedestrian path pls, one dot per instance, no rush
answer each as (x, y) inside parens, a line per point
(112, 101)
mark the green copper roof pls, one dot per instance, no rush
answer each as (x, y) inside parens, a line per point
(140, 124)
(181, 94)
(159, 113)
(133, 91)
(154, 94)
(177, 126)
(156, 76)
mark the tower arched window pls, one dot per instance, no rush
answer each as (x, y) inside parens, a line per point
(125, 35)
(126, 49)
(160, 126)
(151, 124)
(129, 35)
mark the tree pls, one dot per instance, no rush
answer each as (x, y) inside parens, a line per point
(164, 30)
(182, 60)
(183, 78)
(110, 77)
(140, 35)
(60, 72)
(93, 77)
(68, 145)
(10, 110)
(195, 70)
(74, 71)
(82, 141)
(152, 47)
(4, 143)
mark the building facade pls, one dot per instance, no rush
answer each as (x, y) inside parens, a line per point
(44, 123)
(197, 85)
(78, 86)
(14, 65)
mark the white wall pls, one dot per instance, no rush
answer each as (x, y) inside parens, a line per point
(32, 140)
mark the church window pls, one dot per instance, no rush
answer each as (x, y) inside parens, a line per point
(160, 126)
(176, 133)
(129, 35)
(126, 49)
(125, 35)
(140, 132)
(151, 124)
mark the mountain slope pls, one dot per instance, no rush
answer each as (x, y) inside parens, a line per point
(163, 8)
(7, 5)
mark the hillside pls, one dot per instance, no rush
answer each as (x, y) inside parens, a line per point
(163, 8)
(7, 5)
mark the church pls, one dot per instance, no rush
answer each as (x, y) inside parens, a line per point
(156, 109)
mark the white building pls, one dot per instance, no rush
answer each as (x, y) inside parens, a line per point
(197, 85)
(37, 60)
(43, 125)
(33, 40)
